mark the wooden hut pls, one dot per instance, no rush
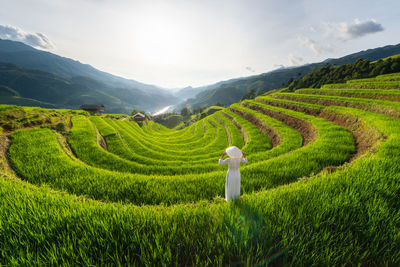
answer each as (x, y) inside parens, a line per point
(139, 117)
(93, 108)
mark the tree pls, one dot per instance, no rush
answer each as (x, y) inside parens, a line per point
(362, 68)
(185, 112)
(290, 81)
(249, 95)
(219, 104)
(198, 110)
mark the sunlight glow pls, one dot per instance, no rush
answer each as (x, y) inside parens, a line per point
(160, 40)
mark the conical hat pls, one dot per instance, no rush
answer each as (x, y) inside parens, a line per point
(233, 152)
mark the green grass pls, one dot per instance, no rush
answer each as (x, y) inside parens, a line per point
(381, 94)
(31, 162)
(379, 106)
(154, 195)
(354, 84)
(333, 209)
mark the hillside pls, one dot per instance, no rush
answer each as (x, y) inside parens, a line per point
(131, 93)
(274, 79)
(338, 74)
(188, 117)
(320, 188)
(190, 92)
(37, 88)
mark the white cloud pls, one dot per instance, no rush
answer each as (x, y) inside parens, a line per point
(278, 66)
(347, 31)
(250, 69)
(294, 61)
(37, 40)
(317, 48)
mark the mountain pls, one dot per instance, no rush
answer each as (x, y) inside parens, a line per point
(189, 92)
(132, 93)
(37, 88)
(232, 91)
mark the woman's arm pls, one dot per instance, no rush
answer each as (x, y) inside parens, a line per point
(243, 159)
(222, 160)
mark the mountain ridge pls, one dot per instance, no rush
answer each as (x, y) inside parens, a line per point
(273, 80)
(31, 58)
(133, 94)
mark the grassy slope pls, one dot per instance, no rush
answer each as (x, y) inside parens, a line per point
(350, 216)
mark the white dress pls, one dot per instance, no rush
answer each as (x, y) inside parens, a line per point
(232, 184)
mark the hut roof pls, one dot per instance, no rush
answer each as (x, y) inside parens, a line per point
(139, 115)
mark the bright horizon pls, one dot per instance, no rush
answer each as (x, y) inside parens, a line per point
(174, 44)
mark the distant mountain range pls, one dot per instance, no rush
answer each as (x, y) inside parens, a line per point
(37, 77)
(231, 91)
(34, 77)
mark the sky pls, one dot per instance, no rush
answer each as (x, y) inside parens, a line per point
(179, 43)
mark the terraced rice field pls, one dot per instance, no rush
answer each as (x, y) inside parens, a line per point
(321, 187)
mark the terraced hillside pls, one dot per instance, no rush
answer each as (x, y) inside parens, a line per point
(321, 187)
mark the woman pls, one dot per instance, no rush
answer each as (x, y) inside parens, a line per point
(232, 184)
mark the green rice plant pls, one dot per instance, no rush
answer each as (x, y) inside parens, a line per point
(165, 136)
(379, 78)
(66, 174)
(209, 140)
(47, 163)
(135, 144)
(83, 144)
(393, 95)
(235, 135)
(161, 128)
(284, 100)
(186, 140)
(349, 217)
(379, 106)
(119, 147)
(334, 145)
(183, 136)
(388, 77)
(104, 128)
(116, 145)
(186, 135)
(151, 141)
(328, 220)
(210, 134)
(252, 134)
(150, 126)
(353, 84)
(257, 141)
(289, 139)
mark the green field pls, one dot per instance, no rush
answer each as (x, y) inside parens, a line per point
(321, 187)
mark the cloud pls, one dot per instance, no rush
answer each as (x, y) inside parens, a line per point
(278, 66)
(348, 31)
(250, 69)
(294, 61)
(37, 40)
(317, 48)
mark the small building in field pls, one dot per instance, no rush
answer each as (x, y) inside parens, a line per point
(139, 117)
(93, 108)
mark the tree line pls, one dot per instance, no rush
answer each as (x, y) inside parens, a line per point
(362, 68)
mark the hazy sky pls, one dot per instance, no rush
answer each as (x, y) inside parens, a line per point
(177, 43)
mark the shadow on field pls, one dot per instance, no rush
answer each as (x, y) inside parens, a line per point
(251, 236)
